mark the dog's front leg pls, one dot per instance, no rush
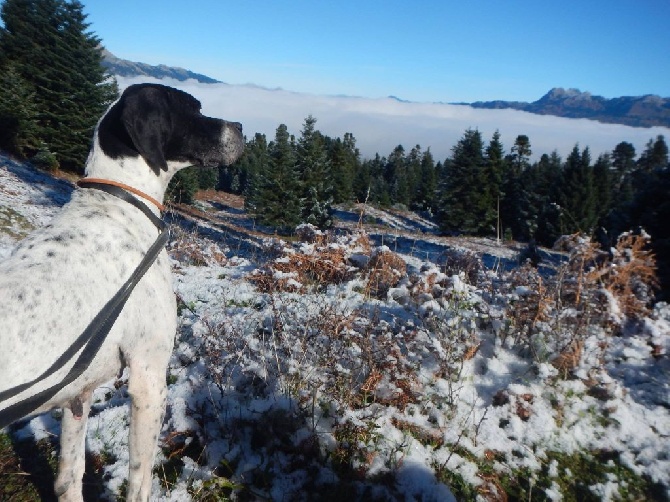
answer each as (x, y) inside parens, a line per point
(147, 388)
(72, 462)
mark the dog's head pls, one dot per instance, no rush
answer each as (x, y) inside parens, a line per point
(162, 124)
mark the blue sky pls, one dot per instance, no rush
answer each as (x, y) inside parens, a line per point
(451, 51)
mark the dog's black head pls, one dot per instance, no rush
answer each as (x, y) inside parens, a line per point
(164, 124)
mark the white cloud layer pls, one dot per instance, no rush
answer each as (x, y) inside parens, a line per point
(379, 125)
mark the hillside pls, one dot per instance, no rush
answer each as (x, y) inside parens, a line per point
(125, 68)
(636, 111)
(379, 362)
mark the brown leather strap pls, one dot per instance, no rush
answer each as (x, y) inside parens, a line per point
(128, 188)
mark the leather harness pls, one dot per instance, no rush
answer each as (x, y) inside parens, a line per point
(95, 333)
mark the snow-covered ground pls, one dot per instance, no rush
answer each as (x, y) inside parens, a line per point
(387, 364)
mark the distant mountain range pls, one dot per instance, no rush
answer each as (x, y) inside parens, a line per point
(636, 111)
(640, 111)
(125, 68)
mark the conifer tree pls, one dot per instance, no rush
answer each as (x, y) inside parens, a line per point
(460, 202)
(493, 174)
(396, 177)
(602, 185)
(622, 192)
(345, 163)
(18, 115)
(413, 174)
(50, 48)
(577, 197)
(549, 172)
(370, 184)
(654, 156)
(253, 163)
(623, 162)
(276, 192)
(314, 171)
(516, 207)
(425, 198)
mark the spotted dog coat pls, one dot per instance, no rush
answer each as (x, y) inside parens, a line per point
(59, 277)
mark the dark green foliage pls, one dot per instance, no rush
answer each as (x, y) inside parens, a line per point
(314, 171)
(517, 205)
(345, 162)
(370, 184)
(603, 179)
(183, 186)
(650, 207)
(57, 69)
(396, 176)
(577, 195)
(18, 114)
(273, 194)
(425, 191)
(546, 175)
(208, 177)
(466, 197)
(44, 159)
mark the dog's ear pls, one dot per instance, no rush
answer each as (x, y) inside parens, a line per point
(148, 123)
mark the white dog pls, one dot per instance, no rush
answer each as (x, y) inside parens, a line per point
(61, 277)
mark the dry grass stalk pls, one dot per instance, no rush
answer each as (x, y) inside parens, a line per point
(371, 381)
(471, 351)
(386, 271)
(293, 272)
(492, 490)
(569, 357)
(187, 248)
(424, 435)
(631, 276)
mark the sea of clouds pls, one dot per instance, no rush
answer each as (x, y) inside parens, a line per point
(379, 125)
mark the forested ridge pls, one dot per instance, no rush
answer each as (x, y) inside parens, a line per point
(482, 189)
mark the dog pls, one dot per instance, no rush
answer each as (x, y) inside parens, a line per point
(59, 278)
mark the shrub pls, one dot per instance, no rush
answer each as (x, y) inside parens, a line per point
(45, 160)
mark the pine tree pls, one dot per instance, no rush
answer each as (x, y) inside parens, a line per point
(549, 224)
(395, 175)
(655, 155)
(253, 165)
(425, 198)
(18, 115)
(623, 162)
(48, 44)
(516, 207)
(413, 174)
(314, 172)
(602, 185)
(345, 162)
(577, 197)
(370, 184)
(494, 170)
(276, 198)
(461, 206)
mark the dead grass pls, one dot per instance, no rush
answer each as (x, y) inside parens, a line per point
(590, 288)
(187, 248)
(296, 272)
(386, 269)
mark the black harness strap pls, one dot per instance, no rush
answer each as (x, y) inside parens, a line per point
(95, 333)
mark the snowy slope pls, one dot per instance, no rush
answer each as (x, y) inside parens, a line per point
(342, 367)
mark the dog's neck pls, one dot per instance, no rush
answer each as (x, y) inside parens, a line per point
(131, 171)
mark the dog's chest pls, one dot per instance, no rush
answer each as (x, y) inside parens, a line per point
(59, 278)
